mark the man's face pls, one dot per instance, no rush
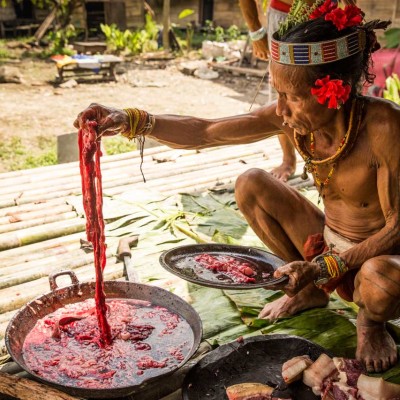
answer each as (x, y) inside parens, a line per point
(298, 107)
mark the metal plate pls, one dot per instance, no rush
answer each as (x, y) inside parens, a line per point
(257, 359)
(181, 262)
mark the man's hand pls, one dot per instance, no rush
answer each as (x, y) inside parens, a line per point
(110, 121)
(300, 274)
(260, 48)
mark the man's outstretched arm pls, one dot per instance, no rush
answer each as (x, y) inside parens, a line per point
(186, 132)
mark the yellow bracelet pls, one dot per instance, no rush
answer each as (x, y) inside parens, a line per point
(129, 134)
(138, 119)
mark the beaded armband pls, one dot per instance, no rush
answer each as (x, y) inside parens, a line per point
(331, 266)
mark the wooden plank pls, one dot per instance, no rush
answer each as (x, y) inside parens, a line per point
(27, 389)
(46, 24)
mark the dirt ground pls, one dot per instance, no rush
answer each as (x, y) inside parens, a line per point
(38, 108)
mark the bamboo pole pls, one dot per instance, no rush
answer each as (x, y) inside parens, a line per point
(109, 180)
(61, 256)
(5, 317)
(41, 194)
(26, 208)
(52, 173)
(30, 271)
(43, 173)
(15, 217)
(37, 221)
(187, 180)
(58, 251)
(186, 184)
(14, 297)
(40, 249)
(75, 165)
(39, 233)
(109, 174)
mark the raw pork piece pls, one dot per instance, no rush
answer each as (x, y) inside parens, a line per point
(292, 370)
(370, 388)
(249, 391)
(315, 375)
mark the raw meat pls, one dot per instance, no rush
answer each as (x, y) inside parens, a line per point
(90, 153)
(249, 391)
(315, 375)
(370, 388)
(349, 370)
(237, 270)
(292, 370)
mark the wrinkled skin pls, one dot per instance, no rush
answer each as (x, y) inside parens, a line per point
(110, 121)
(361, 201)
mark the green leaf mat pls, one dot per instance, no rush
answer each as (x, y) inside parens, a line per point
(166, 222)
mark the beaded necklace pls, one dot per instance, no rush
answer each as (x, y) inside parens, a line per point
(345, 146)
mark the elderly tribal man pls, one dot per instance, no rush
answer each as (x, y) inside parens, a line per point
(351, 146)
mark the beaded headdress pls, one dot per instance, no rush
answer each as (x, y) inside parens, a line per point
(323, 52)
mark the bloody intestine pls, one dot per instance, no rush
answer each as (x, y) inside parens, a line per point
(90, 153)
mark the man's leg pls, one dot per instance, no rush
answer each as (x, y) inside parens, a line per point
(283, 219)
(377, 293)
(288, 166)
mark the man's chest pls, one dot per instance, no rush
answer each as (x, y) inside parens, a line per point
(353, 180)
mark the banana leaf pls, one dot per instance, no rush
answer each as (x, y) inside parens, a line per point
(207, 201)
(112, 207)
(323, 326)
(227, 221)
(221, 319)
(163, 223)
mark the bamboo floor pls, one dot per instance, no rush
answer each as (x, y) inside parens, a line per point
(40, 232)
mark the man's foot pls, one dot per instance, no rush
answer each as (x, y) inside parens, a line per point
(376, 349)
(284, 171)
(309, 297)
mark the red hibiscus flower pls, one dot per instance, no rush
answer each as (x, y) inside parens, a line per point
(323, 9)
(349, 16)
(332, 90)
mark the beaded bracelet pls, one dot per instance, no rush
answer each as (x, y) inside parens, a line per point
(331, 266)
(140, 123)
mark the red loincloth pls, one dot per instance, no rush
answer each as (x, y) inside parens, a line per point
(344, 285)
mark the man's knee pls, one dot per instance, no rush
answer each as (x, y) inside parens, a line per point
(377, 287)
(249, 178)
(249, 183)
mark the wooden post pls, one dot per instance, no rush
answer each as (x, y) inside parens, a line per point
(166, 23)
